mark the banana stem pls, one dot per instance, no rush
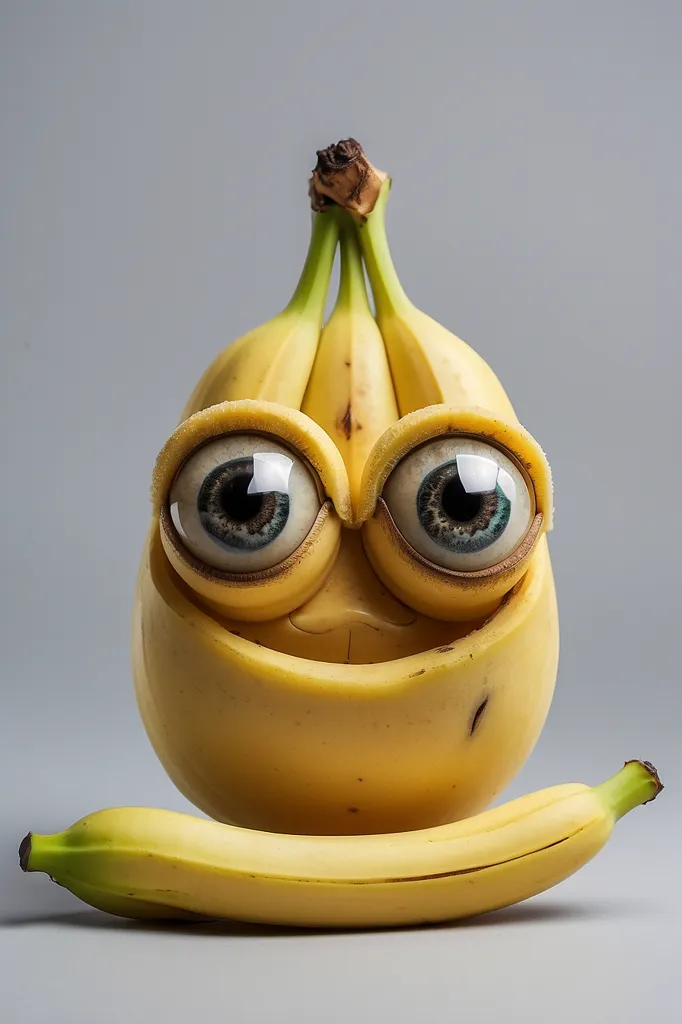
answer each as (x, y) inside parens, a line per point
(37, 853)
(352, 287)
(344, 177)
(310, 296)
(636, 783)
(389, 295)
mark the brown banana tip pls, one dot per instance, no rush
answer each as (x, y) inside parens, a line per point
(343, 175)
(653, 772)
(24, 852)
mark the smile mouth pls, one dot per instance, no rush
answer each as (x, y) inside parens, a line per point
(362, 641)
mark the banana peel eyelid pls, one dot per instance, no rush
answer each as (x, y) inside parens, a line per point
(268, 593)
(444, 594)
(435, 422)
(288, 426)
(257, 577)
(472, 577)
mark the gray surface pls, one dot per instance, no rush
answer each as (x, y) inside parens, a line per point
(154, 160)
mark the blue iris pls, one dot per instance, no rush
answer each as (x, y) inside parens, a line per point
(234, 518)
(456, 519)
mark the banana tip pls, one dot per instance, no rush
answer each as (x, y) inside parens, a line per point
(653, 772)
(24, 852)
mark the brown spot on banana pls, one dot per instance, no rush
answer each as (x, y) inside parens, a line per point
(347, 422)
(478, 715)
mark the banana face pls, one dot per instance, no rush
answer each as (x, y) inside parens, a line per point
(257, 520)
(345, 618)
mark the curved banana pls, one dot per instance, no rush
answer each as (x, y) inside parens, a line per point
(141, 862)
(430, 365)
(272, 362)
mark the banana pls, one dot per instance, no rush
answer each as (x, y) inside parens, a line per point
(272, 362)
(350, 392)
(284, 698)
(143, 862)
(429, 364)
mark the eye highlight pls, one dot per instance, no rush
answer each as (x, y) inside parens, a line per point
(242, 503)
(460, 502)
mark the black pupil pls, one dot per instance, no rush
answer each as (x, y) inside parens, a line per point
(236, 503)
(459, 505)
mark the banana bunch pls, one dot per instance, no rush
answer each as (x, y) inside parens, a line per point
(138, 862)
(345, 631)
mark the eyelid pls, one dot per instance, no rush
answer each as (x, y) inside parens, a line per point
(268, 593)
(438, 421)
(437, 592)
(288, 426)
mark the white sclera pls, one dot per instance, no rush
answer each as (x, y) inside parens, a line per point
(276, 468)
(480, 466)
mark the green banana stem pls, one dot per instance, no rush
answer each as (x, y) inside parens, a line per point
(389, 294)
(37, 853)
(310, 297)
(352, 288)
(636, 783)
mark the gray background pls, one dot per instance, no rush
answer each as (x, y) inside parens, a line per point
(153, 182)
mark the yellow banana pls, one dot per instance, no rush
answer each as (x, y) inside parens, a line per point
(430, 365)
(143, 862)
(350, 391)
(272, 362)
(347, 652)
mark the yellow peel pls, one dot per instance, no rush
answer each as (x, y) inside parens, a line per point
(392, 696)
(126, 860)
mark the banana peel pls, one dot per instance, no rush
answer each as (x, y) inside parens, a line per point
(358, 686)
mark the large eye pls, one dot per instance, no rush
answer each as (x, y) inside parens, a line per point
(242, 503)
(460, 502)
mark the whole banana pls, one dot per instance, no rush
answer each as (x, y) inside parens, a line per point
(139, 862)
